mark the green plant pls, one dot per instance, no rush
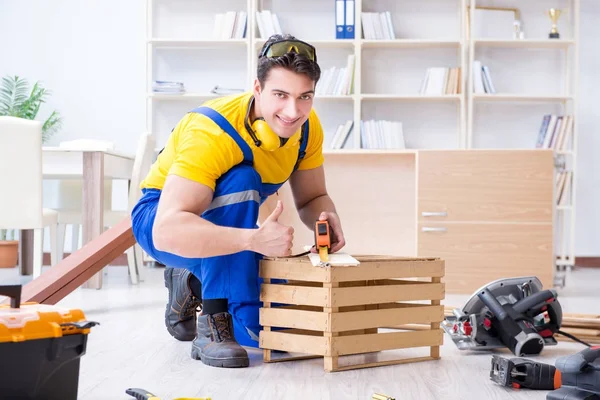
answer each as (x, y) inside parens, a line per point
(7, 234)
(17, 101)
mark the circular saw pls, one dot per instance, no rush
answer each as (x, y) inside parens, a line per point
(514, 312)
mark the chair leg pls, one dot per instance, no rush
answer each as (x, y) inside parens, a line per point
(131, 265)
(38, 251)
(54, 241)
(139, 261)
(74, 238)
(61, 232)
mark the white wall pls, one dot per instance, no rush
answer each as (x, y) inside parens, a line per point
(91, 54)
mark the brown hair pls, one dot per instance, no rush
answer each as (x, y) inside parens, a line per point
(290, 61)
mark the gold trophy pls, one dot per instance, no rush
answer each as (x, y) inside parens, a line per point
(554, 15)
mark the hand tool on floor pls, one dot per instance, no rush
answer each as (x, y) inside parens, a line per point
(323, 240)
(580, 374)
(143, 394)
(524, 373)
(379, 396)
(513, 312)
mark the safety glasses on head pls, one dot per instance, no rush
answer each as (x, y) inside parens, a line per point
(281, 47)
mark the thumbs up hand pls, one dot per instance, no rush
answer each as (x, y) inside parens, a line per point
(273, 239)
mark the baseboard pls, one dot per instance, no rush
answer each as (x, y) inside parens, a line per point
(587, 262)
(119, 261)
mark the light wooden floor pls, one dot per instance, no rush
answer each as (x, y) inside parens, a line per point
(131, 348)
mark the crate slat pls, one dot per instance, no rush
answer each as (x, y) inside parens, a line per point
(386, 317)
(293, 269)
(307, 344)
(386, 294)
(344, 345)
(387, 269)
(300, 295)
(299, 319)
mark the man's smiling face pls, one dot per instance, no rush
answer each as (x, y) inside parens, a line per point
(285, 100)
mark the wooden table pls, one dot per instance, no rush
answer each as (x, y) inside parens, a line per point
(93, 167)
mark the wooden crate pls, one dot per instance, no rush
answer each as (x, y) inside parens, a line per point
(385, 303)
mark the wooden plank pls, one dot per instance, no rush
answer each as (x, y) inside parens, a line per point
(387, 269)
(60, 280)
(292, 268)
(342, 345)
(307, 344)
(301, 295)
(386, 317)
(286, 318)
(385, 294)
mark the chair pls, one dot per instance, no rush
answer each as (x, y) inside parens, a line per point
(21, 199)
(70, 204)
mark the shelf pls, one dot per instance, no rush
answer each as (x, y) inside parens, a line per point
(520, 97)
(334, 43)
(184, 96)
(411, 97)
(334, 97)
(424, 43)
(525, 43)
(344, 152)
(174, 43)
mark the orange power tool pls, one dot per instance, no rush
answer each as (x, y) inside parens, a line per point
(323, 240)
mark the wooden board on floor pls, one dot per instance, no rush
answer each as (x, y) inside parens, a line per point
(72, 272)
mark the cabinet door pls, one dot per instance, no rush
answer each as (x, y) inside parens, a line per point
(485, 185)
(477, 254)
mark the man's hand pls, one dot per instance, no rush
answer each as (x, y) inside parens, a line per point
(273, 239)
(337, 235)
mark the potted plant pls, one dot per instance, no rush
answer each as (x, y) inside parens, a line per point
(9, 249)
(16, 100)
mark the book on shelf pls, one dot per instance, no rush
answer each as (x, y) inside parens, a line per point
(337, 81)
(482, 80)
(268, 24)
(223, 91)
(377, 26)
(564, 186)
(168, 87)
(556, 132)
(341, 135)
(381, 134)
(441, 81)
(230, 25)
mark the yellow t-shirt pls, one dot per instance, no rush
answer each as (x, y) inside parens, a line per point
(199, 150)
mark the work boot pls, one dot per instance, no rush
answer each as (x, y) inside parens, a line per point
(180, 315)
(215, 344)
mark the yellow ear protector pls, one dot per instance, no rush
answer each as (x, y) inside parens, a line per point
(264, 136)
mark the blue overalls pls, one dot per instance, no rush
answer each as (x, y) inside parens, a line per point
(236, 201)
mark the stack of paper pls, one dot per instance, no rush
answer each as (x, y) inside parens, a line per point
(167, 87)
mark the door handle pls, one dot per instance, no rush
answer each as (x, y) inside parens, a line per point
(434, 229)
(434, 214)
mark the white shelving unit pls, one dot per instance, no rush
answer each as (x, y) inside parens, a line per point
(536, 76)
(388, 73)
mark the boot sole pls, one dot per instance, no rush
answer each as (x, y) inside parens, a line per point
(168, 285)
(239, 362)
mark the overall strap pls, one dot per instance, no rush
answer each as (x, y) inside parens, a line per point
(229, 129)
(303, 144)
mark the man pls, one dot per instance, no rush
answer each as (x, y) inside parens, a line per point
(199, 210)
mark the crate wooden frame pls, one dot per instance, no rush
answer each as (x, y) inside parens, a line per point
(335, 311)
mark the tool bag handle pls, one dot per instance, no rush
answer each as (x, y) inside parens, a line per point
(14, 292)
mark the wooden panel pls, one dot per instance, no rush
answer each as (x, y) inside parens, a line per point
(486, 185)
(476, 254)
(343, 345)
(299, 319)
(386, 294)
(386, 317)
(288, 294)
(294, 343)
(375, 197)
